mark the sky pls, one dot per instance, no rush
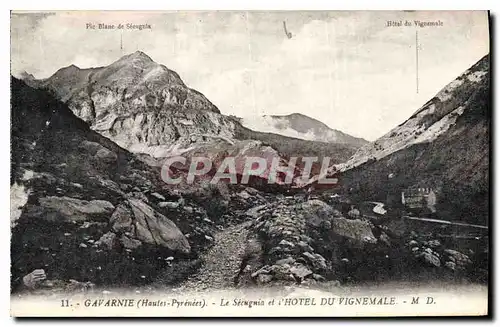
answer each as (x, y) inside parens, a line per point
(344, 68)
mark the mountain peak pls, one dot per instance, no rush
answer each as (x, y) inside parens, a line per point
(71, 67)
(138, 55)
(301, 121)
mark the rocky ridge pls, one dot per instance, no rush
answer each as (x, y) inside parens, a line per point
(432, 150)
(435, 118)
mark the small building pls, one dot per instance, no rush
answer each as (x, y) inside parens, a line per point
(419, 198)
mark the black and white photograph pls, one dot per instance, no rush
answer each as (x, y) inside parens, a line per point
(250, 163)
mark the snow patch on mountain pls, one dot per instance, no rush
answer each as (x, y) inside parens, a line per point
(402, 137)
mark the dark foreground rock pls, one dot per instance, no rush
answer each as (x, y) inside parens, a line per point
(301, 241)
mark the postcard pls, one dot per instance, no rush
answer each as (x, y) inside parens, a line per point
(250, 163)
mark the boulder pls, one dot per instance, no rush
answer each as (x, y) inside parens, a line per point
(263, 270)
(356, 230)
(75, 285)
(158, 196)
(171, 205)
(413, 243)
(317, 212)
(318, 278)
(384, 238)
(264, 279)
(244, 195)
(461, 261)
(256, 212)
(308, 282)
(122, 219)
(34, 279)
(304, 246)
(130, 243)
(397, 228)
(107, 241)
(148, 226)
(251, 191)
(288, 260)
(300, 271)
(306, 239)
(282, 272)
(106, 156)
(138, 195)
(286, 244)
(316, 260)
(430, 251)
(450, 265)
(70, 209)
(434, 244)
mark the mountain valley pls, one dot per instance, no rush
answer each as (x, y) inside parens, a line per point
(90, 208)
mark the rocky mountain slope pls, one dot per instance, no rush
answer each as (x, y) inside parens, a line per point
(445, 145)
(84, 209)
(146, 108)
(86, 212)
(433, 119)
(139, 104)
(314, 243)
(302, 127)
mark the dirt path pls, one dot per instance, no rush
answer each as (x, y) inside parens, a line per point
(221, 263)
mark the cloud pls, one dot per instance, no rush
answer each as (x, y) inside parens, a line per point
(356, 77)
(345, 69)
